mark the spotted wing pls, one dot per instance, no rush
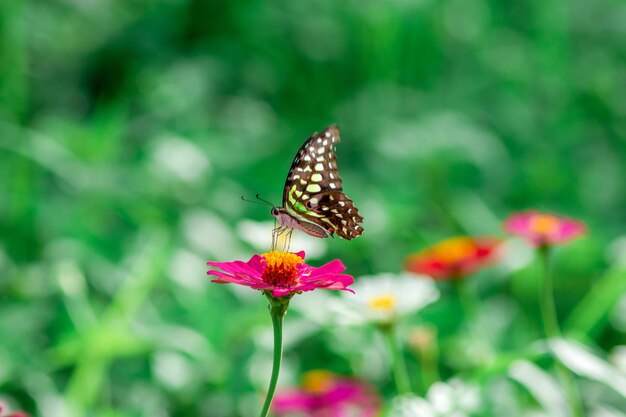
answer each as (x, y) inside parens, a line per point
(313, 190)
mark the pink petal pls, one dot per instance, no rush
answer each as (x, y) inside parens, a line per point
(341, 285)
(571, 229)
(326, 276)
(257, 263)
(329, 282)
(236, 279)
(292, 401)
(239, 272)
(519, 223)
(344, 397)
(253, 267)
(332, 267)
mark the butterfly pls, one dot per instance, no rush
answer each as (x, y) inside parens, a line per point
(313, 198)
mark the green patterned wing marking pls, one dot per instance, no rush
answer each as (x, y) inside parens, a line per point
(299, 207)
(313, 190)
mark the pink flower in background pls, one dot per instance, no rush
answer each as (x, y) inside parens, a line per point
(543, 229)
(15, 414)
(324, 394)
(282, 273)
(454, 258)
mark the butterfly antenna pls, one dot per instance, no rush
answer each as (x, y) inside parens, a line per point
(256, 202)
(265, 201)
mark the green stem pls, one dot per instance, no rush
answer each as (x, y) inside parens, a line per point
(469, 302)
(278, 309)
(552, 331)
(400, 373)
(428, 365)
(547, 305)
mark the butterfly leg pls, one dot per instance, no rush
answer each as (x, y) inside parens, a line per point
(275, 237)
(288, 240)
(276, 234)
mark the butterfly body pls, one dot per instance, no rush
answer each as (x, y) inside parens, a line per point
(313, 198)
(288, 221)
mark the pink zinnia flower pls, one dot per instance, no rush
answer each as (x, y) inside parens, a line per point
(543, 229)
(454, 258)
(282, 273)
(323, 394)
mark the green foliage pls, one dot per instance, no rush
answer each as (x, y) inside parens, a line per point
(129, 131)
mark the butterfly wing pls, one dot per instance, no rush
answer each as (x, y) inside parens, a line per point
(313, 190)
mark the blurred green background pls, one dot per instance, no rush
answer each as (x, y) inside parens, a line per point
(130, 129)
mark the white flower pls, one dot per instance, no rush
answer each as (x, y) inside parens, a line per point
(385, 297)
(454, 398)
(618, 358)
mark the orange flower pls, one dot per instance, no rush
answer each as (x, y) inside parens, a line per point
(454, 258)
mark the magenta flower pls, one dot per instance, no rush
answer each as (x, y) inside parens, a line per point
(543, 229)
(324, 394)
(282, 273)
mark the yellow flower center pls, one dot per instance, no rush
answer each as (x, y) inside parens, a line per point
(281, 269)
(385, 303)
(454, 250)
(317, 381)
(544, 224)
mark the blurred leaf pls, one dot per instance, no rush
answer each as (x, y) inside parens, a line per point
(590, 316)
(583, 362)
(543, 387)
